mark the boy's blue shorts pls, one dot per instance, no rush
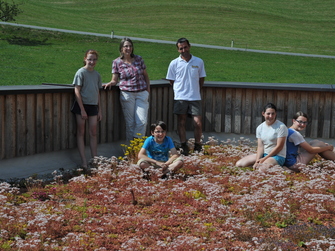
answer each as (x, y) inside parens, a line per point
(280, 160)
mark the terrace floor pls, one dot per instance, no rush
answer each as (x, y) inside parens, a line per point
(46, 163)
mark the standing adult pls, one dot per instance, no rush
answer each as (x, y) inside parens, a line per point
(134, 84)
(187, 75)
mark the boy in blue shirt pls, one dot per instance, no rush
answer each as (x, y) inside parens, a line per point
(155, 151)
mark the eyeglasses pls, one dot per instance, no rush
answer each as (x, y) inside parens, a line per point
(159, 132)
(302, 122)
(127, 46)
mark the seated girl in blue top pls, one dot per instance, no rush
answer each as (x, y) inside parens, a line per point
(298, 150)
(155, 151)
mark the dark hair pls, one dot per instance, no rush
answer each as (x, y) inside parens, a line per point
(158, 123)
(300, 113)
(121, 47)
(90, 51)
(182, 40)
(269, 105)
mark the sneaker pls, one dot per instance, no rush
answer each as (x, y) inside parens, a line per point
(184, 148)
(197, 147)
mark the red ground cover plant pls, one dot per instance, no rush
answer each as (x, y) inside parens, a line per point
(209, 205)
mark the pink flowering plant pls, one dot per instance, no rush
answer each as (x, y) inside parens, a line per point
(208, 205)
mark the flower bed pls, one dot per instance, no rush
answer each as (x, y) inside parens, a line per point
(209, 205)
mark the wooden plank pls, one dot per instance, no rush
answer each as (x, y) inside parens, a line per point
(119, 124)
(102, 136)
(321, 117)
(257, 100)
(237, 104)
(218, 110)
(247, 104)
(31, 124)
(190, 120)
(332, 131)
(72, 124)
(2, 126)
(171, 120)
(48, 123)
(269, 97)
(208, 109)
(292, 107)
(159, 115)
(110, 115)
(327, 111)
(56, 126)
(40, 124)
(228, 111)
(153, 106)
(315, 115)
(10, 127)
(303, 102)
(21, 120)
(165, 108)
(65, 122)
(223, 109)
(280, 104)
(310, 115)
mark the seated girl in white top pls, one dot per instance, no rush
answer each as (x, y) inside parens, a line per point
(298, 150)
(271, 137)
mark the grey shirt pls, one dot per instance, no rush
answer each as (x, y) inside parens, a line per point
(90, 82)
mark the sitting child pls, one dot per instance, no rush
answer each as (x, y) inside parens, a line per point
(155, 151)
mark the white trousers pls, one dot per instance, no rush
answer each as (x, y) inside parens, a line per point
(135, 107)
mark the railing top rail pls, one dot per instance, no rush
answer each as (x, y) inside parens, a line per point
(272, 86)
(54, 88)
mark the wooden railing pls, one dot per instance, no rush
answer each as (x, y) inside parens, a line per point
(37, 119)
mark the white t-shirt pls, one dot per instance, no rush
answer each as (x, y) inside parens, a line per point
(270, 134)
(186, 77)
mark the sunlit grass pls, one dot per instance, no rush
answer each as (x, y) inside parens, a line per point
(33, 57)
(294, 26)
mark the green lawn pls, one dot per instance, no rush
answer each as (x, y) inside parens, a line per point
(289, 25)
(32, 57)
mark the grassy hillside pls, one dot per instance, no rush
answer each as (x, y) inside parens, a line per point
(293, 26)
(30, 57)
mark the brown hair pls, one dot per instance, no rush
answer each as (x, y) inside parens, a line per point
(90, 51)
(121, 47)
(300, 113)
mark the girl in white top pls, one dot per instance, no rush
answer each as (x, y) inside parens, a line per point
(271, 137)
(298, 150)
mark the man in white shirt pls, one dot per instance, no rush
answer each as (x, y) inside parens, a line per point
(187, 75)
